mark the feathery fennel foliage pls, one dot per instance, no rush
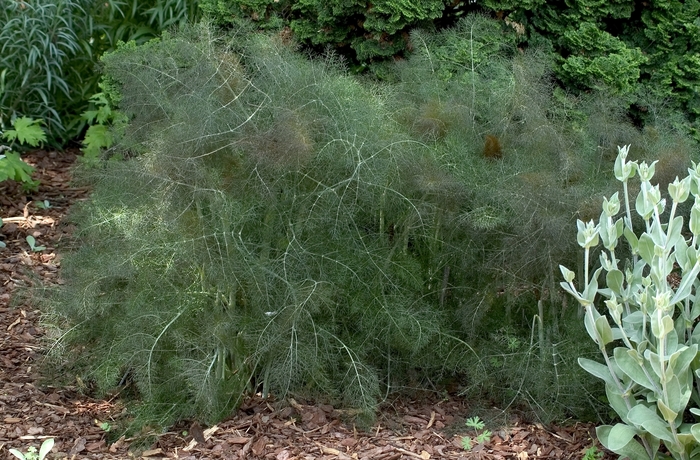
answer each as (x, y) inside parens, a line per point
(466, 84)
(267, 229)
(283, 226)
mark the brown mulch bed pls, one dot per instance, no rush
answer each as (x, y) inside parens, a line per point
(262, 429)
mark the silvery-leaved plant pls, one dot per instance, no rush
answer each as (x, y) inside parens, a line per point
(646, 328)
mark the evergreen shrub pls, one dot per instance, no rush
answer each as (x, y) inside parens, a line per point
(643, 50)
(361, 30)
(281, 226)
(636, 49)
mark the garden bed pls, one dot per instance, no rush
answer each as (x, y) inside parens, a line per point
(414, 426)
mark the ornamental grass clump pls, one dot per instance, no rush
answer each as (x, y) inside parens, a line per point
(648, 332)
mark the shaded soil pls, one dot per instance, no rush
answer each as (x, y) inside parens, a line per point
(425, 428)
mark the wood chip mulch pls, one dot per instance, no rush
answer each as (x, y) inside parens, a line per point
(430, 428)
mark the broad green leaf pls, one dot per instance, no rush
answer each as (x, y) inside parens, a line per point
(604, 331)
(614, 279)
(674, 232)
(672, 344)
(618, 436)
(633, 450)
(644, 207)
(695, 312)
(695, 430)
(618, 334)
(597, 369)
(589, 321)
(568, 275)
(653, 359)
(646, 248)
(680, 254)
(641, 416)
(681, 359)
(46, 447)
(634, 320)
(26, 131)
(694, 222)
(591, 289)
(685, 288)
(619, 227)
(12, 167)
(661, 325)
(666, 412)
(678, 396)
(617, 401)
(632, 240)
(626, 360)
(567, 287)
(97, 137)
(685, 437)
(692, 256)
(657, 234)
(633, 326)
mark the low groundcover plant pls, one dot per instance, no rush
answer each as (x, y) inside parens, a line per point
(32, 454)
(650, 348)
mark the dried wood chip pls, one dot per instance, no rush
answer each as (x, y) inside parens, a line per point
(78, 446)
(327, 450)
(118, 444)
(209, 432)
(259, 445)
(348, 442)
(95, 446)
(14, 323)
(193, 443)
(197, 433)
(414, 420)
(432, 419)
(238, 440)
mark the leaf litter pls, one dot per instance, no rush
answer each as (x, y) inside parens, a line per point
(428, 427)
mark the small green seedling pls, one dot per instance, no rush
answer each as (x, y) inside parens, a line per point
(105, 426)
(42, 204)
(592, 453)
(481, 436)
(32, 454)
(32, 244)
